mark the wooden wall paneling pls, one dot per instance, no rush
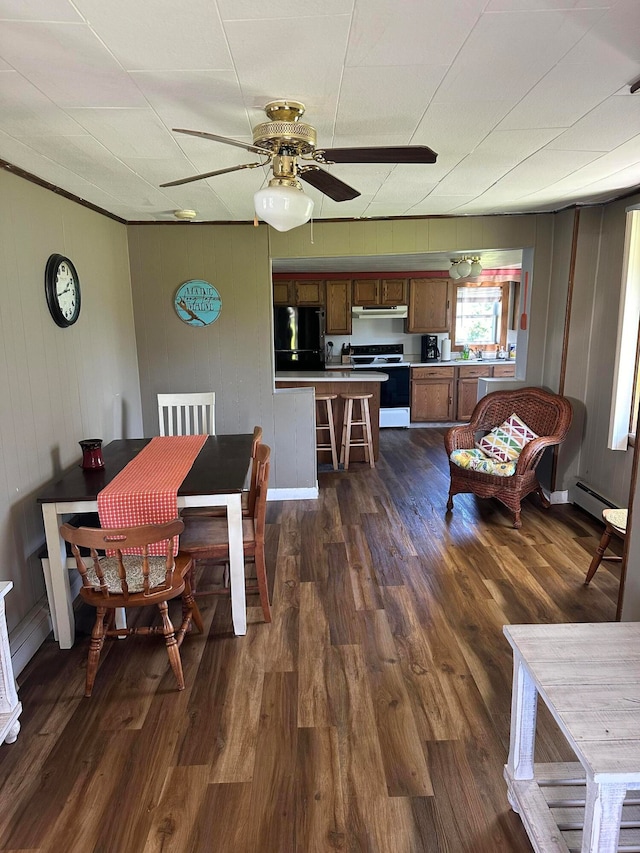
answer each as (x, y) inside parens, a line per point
(58, 384)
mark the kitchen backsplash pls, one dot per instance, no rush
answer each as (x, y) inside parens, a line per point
(379, 330)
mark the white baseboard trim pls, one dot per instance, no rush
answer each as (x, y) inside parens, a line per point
(558, 497)
(303, 494)
(584, 496)
(27, 637)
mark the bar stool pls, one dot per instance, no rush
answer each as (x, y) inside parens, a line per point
(348, 423)
(328, 425)
(615, 522)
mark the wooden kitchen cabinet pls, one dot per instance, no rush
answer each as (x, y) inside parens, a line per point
(291, 292)
(393, 291)
(467, 390)
(432, 393)
(374, 291)
(308, 293)
(429, 305)
(338, 307)
(504, 370)
(283, 293)
(366, 291)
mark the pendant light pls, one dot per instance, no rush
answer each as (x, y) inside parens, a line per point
(283, 205)
(465, 267)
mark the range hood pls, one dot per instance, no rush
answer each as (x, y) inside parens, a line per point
(398, 311)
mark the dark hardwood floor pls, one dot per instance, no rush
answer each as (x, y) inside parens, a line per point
(372, 714)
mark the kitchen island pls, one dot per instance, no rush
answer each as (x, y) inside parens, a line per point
(339, 382)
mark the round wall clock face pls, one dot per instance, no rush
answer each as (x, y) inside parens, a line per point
(62, 288)
(197, 303)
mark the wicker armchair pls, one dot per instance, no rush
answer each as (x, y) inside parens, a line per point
(548, 415)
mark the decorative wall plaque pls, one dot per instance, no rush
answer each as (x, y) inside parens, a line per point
(197, 303)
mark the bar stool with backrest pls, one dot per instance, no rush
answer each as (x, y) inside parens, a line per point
(325, 401)
(187, 414)
(348, 423)
(615, 522)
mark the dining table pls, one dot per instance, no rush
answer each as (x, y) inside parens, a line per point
(217, 478)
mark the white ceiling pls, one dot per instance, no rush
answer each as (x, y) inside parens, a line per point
(526, 101)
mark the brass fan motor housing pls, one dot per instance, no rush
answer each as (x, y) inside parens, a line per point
(285, 130)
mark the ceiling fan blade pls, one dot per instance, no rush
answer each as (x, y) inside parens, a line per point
(211, 174)
(393, 154)
(327, 184)
(203, 135)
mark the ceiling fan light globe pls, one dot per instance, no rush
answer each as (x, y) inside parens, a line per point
(464, 268)
(283, 208)
(453, 272)
(476, 268)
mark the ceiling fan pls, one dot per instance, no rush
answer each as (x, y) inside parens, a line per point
(282, 141)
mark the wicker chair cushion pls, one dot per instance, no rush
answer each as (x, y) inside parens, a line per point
(475, 460)
(506, 441)
(133, 566)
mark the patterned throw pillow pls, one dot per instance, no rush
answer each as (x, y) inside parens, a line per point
(506, 441)
(475, 460)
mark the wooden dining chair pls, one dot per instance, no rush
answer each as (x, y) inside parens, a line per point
(248, 496)
(206, 538)
(615, 521)
(113, 579)
(187, 414)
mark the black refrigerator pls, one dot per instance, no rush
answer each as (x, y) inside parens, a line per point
(299, 338)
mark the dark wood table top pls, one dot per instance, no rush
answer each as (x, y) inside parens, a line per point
(220, 468)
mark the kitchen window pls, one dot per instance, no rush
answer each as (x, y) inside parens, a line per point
(480, 315)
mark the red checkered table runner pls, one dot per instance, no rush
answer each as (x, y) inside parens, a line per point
(146, 490)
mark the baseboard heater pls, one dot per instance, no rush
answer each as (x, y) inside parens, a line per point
(590, 500)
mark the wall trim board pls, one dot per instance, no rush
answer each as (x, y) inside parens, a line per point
(296, 494)
(28, 635)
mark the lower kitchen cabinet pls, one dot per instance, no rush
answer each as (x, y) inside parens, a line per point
(432, 393)
(468, 389)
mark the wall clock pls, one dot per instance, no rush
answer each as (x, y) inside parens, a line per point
(62, 288)
(197, 303)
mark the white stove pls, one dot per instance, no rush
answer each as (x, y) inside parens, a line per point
(394, 393)
(373, 361)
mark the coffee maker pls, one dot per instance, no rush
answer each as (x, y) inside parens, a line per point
(429, 348)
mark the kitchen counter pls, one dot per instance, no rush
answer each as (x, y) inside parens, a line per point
(340, 382)
(310, 377)
(462, 362)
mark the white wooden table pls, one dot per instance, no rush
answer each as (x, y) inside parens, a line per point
(10, 708)
(217, 478)
(588, 675)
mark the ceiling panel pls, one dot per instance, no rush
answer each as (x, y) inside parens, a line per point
(526, 102)
(38, 10)
(158, 35)
(68, 64)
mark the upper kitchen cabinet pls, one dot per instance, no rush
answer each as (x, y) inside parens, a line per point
(429, 305)
(286, 292)
(308, 292)
(282, 292)
(338, 307)
(374, 291)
